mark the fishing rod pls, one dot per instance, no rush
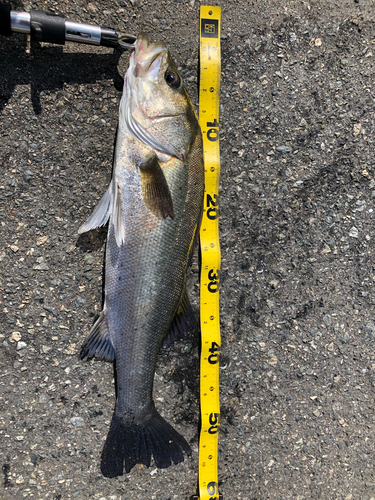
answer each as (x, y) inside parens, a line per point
(53, 28)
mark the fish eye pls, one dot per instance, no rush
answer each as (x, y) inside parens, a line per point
(173, 79)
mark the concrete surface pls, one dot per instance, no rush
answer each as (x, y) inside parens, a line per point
(298, 267)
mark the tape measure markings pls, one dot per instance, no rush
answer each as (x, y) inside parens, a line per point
(210, 249)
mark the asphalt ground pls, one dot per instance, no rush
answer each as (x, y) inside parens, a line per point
(297, 237)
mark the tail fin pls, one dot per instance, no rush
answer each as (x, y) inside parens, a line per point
(131, 444)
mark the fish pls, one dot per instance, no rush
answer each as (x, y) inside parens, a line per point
(153, 205)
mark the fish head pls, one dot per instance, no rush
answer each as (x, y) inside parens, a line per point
(155, 107)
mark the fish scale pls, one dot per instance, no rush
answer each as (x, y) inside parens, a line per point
(153, 205)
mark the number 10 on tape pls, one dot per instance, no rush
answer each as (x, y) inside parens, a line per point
(210, 266)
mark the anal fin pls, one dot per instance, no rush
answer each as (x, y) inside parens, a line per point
(184, 321)
(97, 342)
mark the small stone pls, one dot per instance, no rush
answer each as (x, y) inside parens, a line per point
(77, 421)
(16, 336)
(80, 302)
(42, 398)
(318, 42)
(28, 175)
(354, 233)
(90, 259)
(42, 265)
(356, 129)
(45, 349)
(345, 338)
(50, 309)
(20, 438)
(273, 361)
(327, 319)
(71, 349)
(283, 149)
(41, 240)
(41, 223)
(369, 332)
(297, 184)
(14, 248)
(21, 345)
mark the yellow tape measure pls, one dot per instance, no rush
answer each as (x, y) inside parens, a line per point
(209, 93)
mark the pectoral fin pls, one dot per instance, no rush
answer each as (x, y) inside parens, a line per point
(156, 194)
(101, 214)
(109, 206)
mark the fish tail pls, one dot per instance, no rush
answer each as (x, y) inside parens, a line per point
(128, 444)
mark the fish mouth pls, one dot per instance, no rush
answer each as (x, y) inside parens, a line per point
(148, 57)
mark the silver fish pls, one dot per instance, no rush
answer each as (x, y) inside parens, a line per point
(153, 205)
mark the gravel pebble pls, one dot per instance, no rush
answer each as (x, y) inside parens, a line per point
(77, 421)
(283, 149)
